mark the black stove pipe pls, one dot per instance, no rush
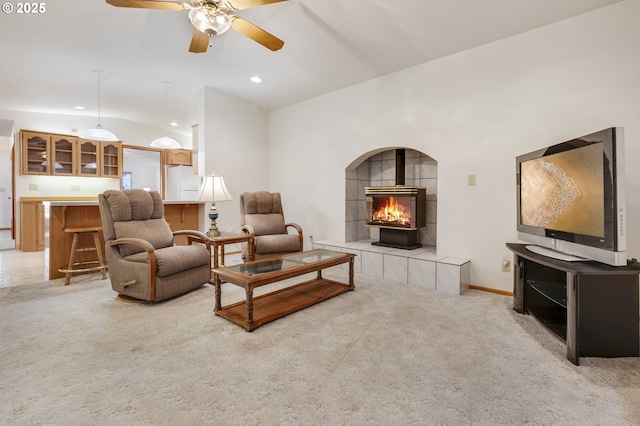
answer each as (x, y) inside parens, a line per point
(400, 163)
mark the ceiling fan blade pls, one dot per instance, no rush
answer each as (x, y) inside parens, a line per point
(246, 4)
(256, 33)
(150, 4)
(199, 42)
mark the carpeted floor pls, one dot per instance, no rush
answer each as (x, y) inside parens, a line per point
(385, 354)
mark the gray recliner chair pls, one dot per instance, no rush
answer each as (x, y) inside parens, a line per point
(144, 263)
(262, 217)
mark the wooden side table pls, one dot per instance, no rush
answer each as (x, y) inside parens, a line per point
(218, 243)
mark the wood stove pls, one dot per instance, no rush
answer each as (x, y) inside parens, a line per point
(399, 211)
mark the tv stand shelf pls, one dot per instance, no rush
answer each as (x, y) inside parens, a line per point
(593, 307)
(552, 291)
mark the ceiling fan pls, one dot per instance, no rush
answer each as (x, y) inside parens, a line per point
(212, 17)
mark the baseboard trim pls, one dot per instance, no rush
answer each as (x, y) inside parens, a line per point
(490, 290)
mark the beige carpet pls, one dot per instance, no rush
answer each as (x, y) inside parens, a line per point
(385, 354)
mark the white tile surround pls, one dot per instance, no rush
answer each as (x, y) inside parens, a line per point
(421, 267)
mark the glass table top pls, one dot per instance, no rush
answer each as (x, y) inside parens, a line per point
(289, 261)
(313, 256)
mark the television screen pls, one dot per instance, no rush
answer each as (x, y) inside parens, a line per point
(564, 191)
(571, 197)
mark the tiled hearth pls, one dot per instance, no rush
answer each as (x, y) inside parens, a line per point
(421, 267)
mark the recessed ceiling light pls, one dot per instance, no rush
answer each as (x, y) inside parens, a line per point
(173, 123)
(256, 79)
(78, 107)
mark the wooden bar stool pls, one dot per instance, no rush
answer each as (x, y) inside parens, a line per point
(84, 266)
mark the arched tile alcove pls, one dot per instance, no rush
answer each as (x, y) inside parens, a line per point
(378, 168)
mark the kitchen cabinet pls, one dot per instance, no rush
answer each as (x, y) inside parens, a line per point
(32, 220)
(179, 157)
(71, 156)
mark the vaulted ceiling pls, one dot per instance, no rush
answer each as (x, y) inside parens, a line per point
(48, 58)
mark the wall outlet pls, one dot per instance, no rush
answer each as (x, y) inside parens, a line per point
(33, 187)
(75, 187)
(310, 238)
(506, 264)
(471, 180)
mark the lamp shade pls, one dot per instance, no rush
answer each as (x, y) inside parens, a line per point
(213, 189)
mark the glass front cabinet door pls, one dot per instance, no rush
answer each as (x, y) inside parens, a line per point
(64, 153)
(111, 156)
(88, 158)
(36, 151)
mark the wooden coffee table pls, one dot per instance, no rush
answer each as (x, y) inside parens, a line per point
(254, 312)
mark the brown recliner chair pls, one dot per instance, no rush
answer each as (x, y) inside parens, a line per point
(262, 217)
(144, 263)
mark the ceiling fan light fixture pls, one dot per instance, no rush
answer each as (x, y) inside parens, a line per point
(209, 20)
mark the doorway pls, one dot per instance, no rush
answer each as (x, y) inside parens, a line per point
(142, 168)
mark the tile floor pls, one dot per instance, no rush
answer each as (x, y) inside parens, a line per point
(17, 267)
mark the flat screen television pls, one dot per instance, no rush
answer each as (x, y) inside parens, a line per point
(571, 199)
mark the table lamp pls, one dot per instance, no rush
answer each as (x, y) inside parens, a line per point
(213, 189)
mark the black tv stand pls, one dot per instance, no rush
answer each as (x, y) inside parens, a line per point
(593, 307)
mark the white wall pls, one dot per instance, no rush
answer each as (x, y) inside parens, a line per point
(473, 112)
(233, 137)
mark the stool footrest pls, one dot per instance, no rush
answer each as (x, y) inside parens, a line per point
(65, 269)
(87, 249)
(84, 266)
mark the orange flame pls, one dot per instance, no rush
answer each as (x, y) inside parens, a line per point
(393, 212)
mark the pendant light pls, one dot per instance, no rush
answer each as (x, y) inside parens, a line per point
(165, 141)
(98, 133)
